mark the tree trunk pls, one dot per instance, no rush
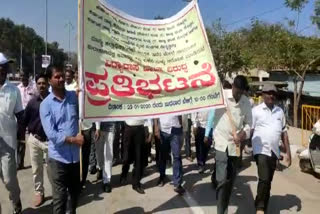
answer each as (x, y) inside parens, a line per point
(298, 94)
(295, 103)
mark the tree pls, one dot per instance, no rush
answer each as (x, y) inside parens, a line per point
(226, 48)
(298, 5)
(273, 46)
(12, 35)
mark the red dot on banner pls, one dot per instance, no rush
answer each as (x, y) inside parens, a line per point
(150, 96)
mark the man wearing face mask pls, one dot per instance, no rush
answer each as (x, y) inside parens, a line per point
(269, 127)
(231, 126)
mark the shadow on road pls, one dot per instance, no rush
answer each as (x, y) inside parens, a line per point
(135, 210)
(279, 203)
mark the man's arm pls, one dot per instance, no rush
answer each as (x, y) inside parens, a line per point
(210, 122)
(156, 128)
(245, 133)
(56, 136)
(285, 140)
(18, 111)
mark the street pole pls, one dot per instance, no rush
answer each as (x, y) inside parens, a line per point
(20, 57)
(46, 47)
(70, 27)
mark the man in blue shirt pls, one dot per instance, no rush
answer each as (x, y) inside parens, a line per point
(59, 118)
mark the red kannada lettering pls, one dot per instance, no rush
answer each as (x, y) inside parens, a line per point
(195, 83)
(125, 84)
(144, 89)
(92, 83)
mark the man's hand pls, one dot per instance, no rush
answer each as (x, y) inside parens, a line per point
(157, 133)
(195, 131)
(149, 138)
(206, 140)
(236, 139)
(288, 160)
(97, 135)
(78, 140)
(78, 91)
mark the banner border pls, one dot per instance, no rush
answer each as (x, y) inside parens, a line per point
(184, 11)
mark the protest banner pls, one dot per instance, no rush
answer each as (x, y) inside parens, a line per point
(136, 68)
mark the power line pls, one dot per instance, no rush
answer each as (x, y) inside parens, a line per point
(251, 17)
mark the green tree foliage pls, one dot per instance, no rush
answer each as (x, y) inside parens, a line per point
(274, 47)
(12, 35)
(268, 47)
(298, 5)
(226, 48)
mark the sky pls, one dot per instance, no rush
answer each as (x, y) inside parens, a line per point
(233, 13)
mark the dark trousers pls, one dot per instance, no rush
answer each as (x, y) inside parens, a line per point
(173, 141)
(20, 154)
(92, 156)
(118, 141)
(157, 143)
(86, 148)
(266, 167)
(187, 140)
(65, 181)
(134, 140)
(147, 147)
(225, 175)
(202, 149)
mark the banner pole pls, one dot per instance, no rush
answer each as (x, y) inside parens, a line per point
(79, 97)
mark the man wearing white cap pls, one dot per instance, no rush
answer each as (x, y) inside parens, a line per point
(268, 127)
(10, 109)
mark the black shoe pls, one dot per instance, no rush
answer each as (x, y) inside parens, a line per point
(138, 189)
(99, 174)
(213, 180)
(123, 180)
(93, 170)
(17, 208)
(160, 182)
(107, 188)
(201, 169)
(179, 189)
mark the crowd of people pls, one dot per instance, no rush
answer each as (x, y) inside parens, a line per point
(45, 116)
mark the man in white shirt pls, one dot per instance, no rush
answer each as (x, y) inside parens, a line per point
(10, 110)
(169, 130)
(70, 84)
(28, 91)
(133, 140)
(199, 121)
(269, 128)
(231, 126)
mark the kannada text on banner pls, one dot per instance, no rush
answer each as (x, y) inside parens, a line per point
(135, 68)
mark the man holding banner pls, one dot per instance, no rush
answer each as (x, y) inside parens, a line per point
(59, 118)
(231, 126)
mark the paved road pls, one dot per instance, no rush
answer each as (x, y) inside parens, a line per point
(292, 192)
